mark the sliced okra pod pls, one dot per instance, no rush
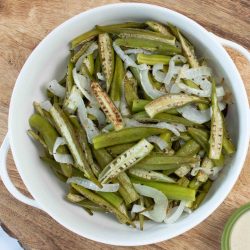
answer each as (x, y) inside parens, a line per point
(107, 106)
(170, 101)
(106, 53)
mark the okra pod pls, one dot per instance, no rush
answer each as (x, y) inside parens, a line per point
(80, 52)
(169, 101)
(116, 86)
(106, 53)
(126, 160)
(85, 37)
(158, 27)
(67, 131)
(118, 149)
(190, 148)
(152, 59)
(103, 203)
(216, 133)
(172, 191)
(130, 90)
(107, 106)
(140, 43)
(162, 117)
(125, 135)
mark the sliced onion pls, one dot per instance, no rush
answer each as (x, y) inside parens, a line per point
(110, 188)
(46, 105)
(61, 158)
(83, 83)
(197, 72)
(176, 214)
(175, 89)
(191, 113)
(193, 91)
(175, 128)
(127, 60)
(173, 70)
(72, 101)
(137, 51)
(188, 210)
(161, 202)
(89, 126)
(147, 86)
(158, 141)
(157, 72)
(93, 47)
(100, 76)
(56, 88)
(98, 114)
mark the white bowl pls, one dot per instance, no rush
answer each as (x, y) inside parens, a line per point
(48, 61)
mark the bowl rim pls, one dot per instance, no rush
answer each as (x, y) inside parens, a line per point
(215, 200)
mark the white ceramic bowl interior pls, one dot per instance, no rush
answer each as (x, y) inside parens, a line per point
(48, 61)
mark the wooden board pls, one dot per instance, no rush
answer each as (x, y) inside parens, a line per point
(22, 25)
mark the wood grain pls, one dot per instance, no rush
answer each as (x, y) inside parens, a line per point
(22, 25)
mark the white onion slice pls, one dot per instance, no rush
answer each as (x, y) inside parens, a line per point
(176, 214)
(193, 91)
(111, 188)
(157, 73)
(147, 86)
(161, 202)
(199, 71)
(128, 60)
(158, 141)
(175, 89)
(46, 105)
(98, 114)
(175, 128)
(93, 47)
(173, 70)
(89, 126)
(100, 76)
(83, 83)
(137, 51)
(61, 158)
(191, 113)
(56, 88)
(71, 103)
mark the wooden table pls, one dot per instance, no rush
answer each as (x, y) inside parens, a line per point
(23, 24)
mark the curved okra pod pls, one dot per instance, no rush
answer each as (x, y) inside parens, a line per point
(158, 27)
(227, 143)
(140, 33)
(216, 133)
(140, 43)
(171, 190)
(103, 203)
(116, 86)
(170, 168)
(106, 53)
(97, 65)
(152, 59)
(88, 61)
(67, 131)
(170, 101)
(125, 135)
(107, 106)
(126, 160)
